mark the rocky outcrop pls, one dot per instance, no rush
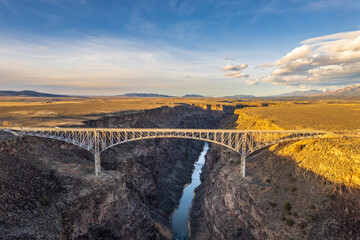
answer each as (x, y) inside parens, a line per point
(48, 189)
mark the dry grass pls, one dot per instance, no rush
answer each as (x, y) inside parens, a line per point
(57, 112)
(327, 116)
(246, 121)
(335, 158)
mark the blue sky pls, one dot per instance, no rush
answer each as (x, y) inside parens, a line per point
(176, 47)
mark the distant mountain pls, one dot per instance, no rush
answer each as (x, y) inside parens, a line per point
(300, 93)
(241, 96)
(144, 95)
(192, 96)
(28, 93)
(351, 91)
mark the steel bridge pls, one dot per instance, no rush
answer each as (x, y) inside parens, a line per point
(97, 140)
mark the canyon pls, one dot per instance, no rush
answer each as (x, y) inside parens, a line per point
(48, 189)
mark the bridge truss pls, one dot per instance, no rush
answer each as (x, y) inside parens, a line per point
(97, 140)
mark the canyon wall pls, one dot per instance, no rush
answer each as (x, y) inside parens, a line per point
(277, 199)
(48, 189)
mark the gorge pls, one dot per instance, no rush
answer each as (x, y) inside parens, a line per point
(133, 199)
(48, 189)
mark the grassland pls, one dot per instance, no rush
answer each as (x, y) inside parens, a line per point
(321, 115)
(336, 158)
(57, 112)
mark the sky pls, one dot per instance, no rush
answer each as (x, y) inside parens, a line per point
(212, 48)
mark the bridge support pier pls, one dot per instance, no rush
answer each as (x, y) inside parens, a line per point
(97, 164)
(243, 161)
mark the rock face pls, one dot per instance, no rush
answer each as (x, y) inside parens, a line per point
(223, 205)
(276, 200)
(48, 189)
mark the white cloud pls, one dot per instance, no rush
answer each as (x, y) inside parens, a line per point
(231, 67)
(252, 81)
(264, 65)
(298, 53)
(326, 60)
(235, 71)
(236, 74)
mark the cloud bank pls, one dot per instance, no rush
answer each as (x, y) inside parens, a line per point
(99, 65)
(326, 60)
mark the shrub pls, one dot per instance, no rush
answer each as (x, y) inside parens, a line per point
(330, 196)
(287, 206)
(293, 189)
(312, 217)
(272, 204)
(302, 225)
(312, 206)
(299, 147)
(45, 201)
(291, 178)
(290, 222)
(239, 232)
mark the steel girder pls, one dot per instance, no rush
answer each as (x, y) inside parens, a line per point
(97, 140)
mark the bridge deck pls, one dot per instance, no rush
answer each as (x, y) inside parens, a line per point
(157, 130)
(97, 140)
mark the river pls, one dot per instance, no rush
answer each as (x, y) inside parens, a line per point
(179, 222)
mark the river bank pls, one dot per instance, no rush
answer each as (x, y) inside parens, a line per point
(180, 220)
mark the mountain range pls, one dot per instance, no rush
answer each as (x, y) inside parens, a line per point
(155, 95)
(192, 96)
(28, 93)
(307, 93)
(241, 96)
(352, 92)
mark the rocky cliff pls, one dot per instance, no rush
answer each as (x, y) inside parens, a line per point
(278, 199)
(48, 189)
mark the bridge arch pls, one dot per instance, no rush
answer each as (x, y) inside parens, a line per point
(171, 137)
(98, 140)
